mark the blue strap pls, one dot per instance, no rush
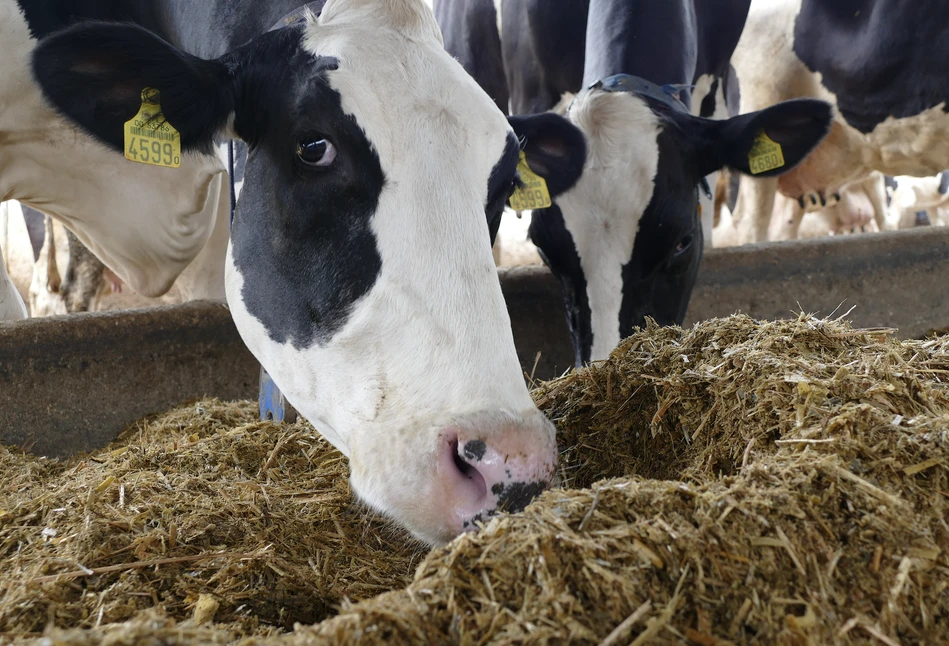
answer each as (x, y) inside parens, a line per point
(668, 94)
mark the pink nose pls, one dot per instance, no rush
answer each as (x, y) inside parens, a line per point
(501, 473)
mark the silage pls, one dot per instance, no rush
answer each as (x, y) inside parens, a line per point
(203, 501)
(776, 482)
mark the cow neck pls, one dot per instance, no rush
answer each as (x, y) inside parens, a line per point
(653, 40)
(667, 94)
(295, 17)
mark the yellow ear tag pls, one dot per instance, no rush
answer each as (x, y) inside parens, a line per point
(533, 194)
(149, 138)
(765, 155)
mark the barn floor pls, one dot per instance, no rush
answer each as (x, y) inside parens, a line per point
(738, 482)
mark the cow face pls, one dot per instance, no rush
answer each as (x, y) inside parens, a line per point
(360, 271)
(626, 240)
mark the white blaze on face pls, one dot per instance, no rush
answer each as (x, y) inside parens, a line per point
(602, 211)
(145, 222)
(431, 342)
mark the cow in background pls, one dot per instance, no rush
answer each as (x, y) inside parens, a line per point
(860, 208)
(84, 280)
(919, 201)
(626, 240)
(878, 62)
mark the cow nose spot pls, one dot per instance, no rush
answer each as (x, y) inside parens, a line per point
(474, 450)
(515, 496)
(485, 476)
(498, 478)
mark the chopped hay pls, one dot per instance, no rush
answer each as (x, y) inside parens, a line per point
(782, 482)
(205, 500)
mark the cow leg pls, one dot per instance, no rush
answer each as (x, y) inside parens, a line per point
(82, 288)
(35, 228)
(754, 207)
(12, 307)
(786, 217)
(876, 191)
(44, 287)
(53, 278)
(794, 220)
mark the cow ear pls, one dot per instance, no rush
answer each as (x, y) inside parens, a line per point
(94, 74)
(768, 142)
(554, 148)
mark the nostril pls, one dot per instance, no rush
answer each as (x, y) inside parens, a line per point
(476, 486)
(466, 469)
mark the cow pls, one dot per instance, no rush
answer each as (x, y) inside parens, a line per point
(56, 274)
(12, 305)
(79, 287)
(860, 208)
(919, 201)
(866, 57)
(44, 164)
(359, 269)
(626, 240)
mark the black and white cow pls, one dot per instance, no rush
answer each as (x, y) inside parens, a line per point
(150, 227)
(359, 270)
(878, 61)
(918, 201)
(626, 239)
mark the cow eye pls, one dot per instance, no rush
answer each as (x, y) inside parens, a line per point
(316, 151)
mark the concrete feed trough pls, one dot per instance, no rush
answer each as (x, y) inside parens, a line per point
(68, 385)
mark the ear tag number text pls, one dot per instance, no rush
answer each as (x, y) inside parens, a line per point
(533, 194)
(765, 155)
(149, 138)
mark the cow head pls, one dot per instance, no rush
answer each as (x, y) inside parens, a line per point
(359, 270)
(626, 240)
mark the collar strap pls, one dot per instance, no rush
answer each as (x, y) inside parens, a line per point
(668, 94)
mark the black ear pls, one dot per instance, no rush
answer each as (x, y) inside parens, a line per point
(768, 142)
(555, 149)
(94, 74)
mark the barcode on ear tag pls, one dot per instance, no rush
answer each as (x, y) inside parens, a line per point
(533, 194)
(765, 155)
(149, 138)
